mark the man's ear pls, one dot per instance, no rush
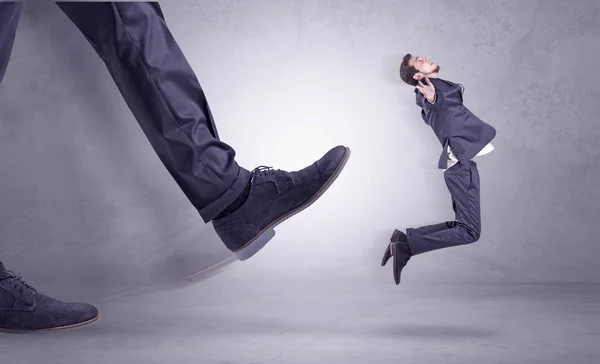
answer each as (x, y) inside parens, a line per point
(418, 76)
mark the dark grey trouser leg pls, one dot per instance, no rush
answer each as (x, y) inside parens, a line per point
(162, 91)
(10, 12)
(463, 184)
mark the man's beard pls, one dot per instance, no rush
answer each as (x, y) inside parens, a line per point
(436, 70)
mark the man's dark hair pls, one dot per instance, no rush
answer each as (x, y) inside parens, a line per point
(407, 72)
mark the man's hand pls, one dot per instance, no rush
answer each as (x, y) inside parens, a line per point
(427, 90)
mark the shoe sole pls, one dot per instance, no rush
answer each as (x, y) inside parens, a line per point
(266, 234)
(396, 235)
(398, 278)
(59, 328)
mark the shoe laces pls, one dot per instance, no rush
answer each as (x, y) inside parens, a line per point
(17, 282)
(263, 169)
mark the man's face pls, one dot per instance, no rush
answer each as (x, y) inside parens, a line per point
(424, 65)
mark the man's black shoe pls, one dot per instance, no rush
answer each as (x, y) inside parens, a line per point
(401, 254)
(397, 236)
(399, 249)
(275, 196)
(23, 309)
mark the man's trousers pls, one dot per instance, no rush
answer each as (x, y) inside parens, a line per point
(463, 183)
(161, 90)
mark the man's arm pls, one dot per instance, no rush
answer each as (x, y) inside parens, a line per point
(432, 101)
(433, 98)
(438, 99)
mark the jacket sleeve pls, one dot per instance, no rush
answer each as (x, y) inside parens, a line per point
(437, 102)
(424, 116)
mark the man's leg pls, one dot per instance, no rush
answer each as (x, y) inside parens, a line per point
(162, 91)
(10, 12)
(165, 97)
(22, 308)
(463, 184)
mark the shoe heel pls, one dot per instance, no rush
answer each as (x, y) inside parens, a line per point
(396, 236)
(249, 250)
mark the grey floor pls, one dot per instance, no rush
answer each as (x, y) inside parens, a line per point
(243, 315)
(88, 213)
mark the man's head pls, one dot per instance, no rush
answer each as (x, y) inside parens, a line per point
(414, 69)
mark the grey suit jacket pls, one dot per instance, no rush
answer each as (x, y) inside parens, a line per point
(453, 123)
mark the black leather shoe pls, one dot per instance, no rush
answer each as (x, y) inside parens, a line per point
(397, 236)
(274, 197)
(401, 254)
(23, 309)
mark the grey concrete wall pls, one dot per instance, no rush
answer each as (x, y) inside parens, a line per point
(85, 201)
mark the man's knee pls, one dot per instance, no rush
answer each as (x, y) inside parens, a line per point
(470, 235)
(474, 236)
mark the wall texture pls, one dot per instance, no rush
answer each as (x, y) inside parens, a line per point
(86, 205)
